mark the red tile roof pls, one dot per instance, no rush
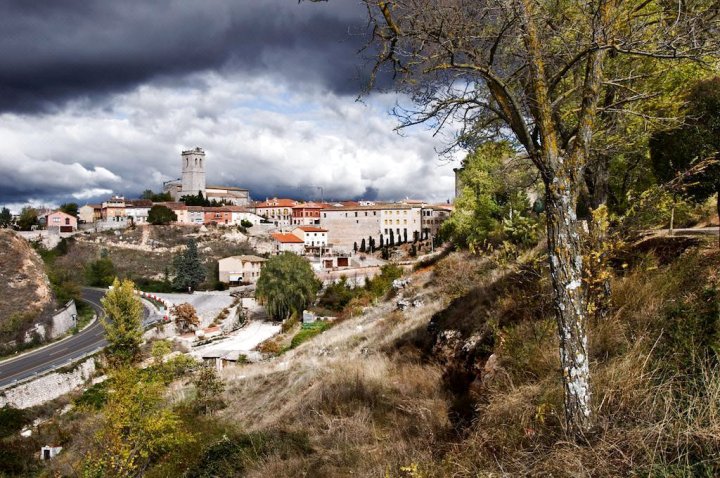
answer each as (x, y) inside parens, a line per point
(278, 203)
(287, 238)
(312, 229)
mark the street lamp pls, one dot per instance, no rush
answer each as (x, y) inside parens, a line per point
(74, 319)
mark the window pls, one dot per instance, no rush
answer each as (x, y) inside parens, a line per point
(374, 213)
(397, 221)
(404, 221)
(365, 213)
(355, 213)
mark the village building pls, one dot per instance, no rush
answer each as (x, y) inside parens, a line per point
(59, 221)
(195, 215)
(400, 222)
(351, 224)
(307, 214)
(113, 210)
(240, 214)
(240, 269)
(286, 242)
(432, 219)
(90, 213)
(217, 216)
(137, 211)
(192, 182)
(313, 237)
(277, 211)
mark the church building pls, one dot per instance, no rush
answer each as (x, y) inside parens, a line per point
(192, 182)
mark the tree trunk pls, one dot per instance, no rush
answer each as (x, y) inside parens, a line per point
(718, 211)
(566, 270)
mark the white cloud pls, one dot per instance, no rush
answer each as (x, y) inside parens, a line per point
(257, 133)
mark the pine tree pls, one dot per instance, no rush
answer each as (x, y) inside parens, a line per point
(189, 271)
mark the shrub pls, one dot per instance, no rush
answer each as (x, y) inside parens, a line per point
(309, 331)
(12, 420)
(234, 454)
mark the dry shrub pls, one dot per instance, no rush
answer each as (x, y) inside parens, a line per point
(458, 274)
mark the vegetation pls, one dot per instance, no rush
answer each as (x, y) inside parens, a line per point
(161, 215)
(189, 271)
(5, 217)
(200, 200)
(186, 318)
(287, 285)
(101, 272)
(122, 323)
(28, 218)
(70, 208)
(156, 197)
(208, 389)
(136, 429)
(686, 151)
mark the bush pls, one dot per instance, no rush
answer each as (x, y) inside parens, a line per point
(233, 455)
(309, 331)
(379, 285)
(337, 295)
(12, 420)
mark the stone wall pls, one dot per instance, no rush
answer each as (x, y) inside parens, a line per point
(63, 320)
(47, 387)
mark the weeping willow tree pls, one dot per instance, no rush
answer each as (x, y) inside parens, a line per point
(287, 285)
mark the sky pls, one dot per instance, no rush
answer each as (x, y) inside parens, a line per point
(99, 98)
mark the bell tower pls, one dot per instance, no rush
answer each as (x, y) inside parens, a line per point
(193, 172)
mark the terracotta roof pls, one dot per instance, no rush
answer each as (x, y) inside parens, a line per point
(59, 212)
(140, 202)
(311, 229)
(278, 203)
(217, 209)
(237, 209)
(310, 205)
(196, 208)
(287, 238)
(94, 206)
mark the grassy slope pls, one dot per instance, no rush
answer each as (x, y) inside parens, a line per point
(467, 385)
(478, 392)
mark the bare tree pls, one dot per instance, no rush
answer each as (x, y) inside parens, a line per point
(541, 73)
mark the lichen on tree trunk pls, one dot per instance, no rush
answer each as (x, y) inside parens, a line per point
(566, 270)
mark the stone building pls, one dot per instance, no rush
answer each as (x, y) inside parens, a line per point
(192, 182)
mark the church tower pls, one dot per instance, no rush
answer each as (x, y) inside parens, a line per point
(193, 172)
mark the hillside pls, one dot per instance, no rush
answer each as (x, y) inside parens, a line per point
(24, 286)
(466, 383)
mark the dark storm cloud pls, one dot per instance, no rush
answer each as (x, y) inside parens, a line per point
(57, 50)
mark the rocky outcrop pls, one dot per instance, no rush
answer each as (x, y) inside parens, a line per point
(24, 286)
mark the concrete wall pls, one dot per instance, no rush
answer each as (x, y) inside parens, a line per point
(48, 387)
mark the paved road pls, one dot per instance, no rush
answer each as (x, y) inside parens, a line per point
(59, 353)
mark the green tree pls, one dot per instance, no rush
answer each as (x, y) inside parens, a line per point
(28, 218)
(161, 215)
(101, 272)
(137, 428)
(675, 152)
(287, 285)
(539, 74)
(122, 323)
(5, 217)
(70, 208)
(492, 205)
(209, 389)
(189, 270)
